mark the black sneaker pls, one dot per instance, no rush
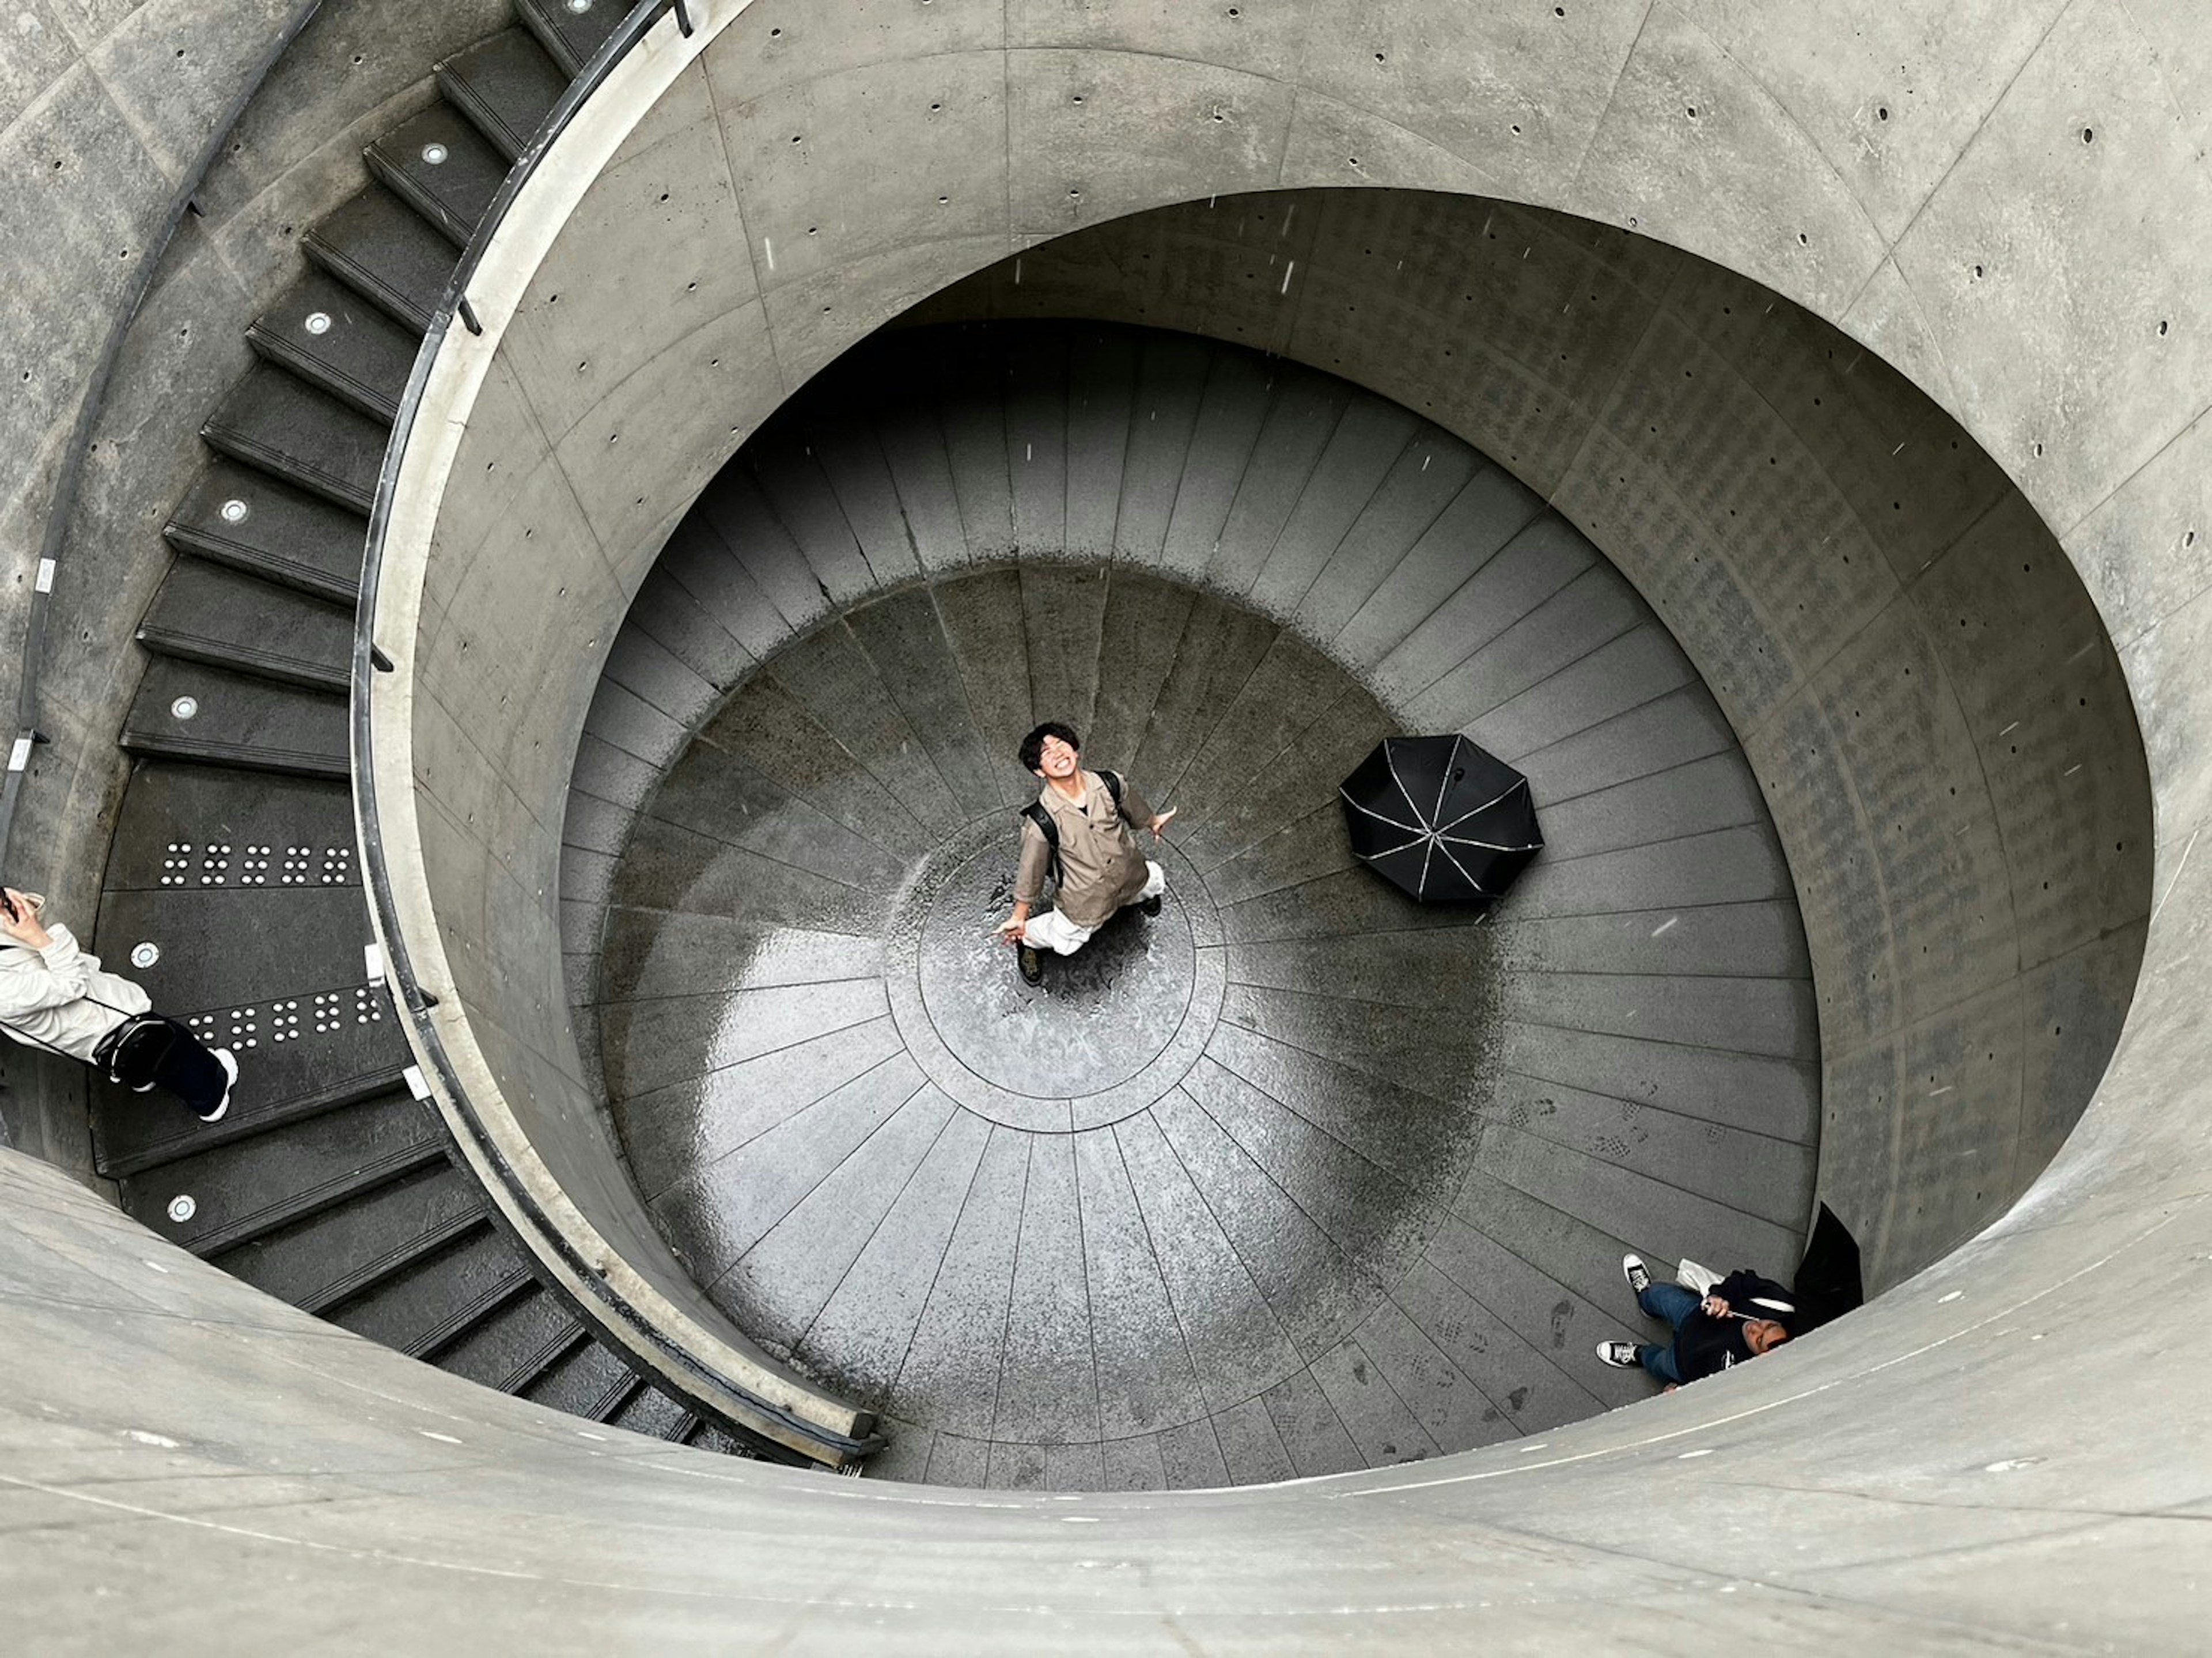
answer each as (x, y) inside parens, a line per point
(1621, 1355)
(1638, 1274)
(1031, 965)
(1152, 905)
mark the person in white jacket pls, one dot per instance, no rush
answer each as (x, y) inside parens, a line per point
(54, 995)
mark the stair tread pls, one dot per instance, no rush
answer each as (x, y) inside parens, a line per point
(240, 1191)
(276, 421)
(436, 1298)
(515, 1343)
(206, 612)
(382, 249)
(239, 516)
(330, 336)
(506, 84)
(309, 822)
(571, 36)
(239, 720)
(330, 1257)
(590, 1381)
(451, 191)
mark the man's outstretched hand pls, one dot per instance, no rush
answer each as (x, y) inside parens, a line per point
(1159, 824)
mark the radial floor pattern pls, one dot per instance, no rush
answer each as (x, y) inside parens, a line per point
(1295, 1177)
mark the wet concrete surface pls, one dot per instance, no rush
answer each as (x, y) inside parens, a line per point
(1298, 1175)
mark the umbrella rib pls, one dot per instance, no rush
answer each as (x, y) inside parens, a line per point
(1461, 868)
(1445, 781)
(1485, 806)
(1489, 846)
(1411, 805)
(1410, 828)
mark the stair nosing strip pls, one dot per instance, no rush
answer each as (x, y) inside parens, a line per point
(318, 371)
(259, 665)
(453, 1328)
(369, 1274)
(251, 560)
(303, 763)
(350, 272)
(302, 1203)
(544, 1356)
(254, 453)
(184, 1142)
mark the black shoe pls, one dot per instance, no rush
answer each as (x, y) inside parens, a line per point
(1621, 1355)
(1152, 905)
(1031, 965)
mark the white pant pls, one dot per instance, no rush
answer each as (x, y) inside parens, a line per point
(1054, 932)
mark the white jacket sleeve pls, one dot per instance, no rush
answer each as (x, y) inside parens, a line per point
(52, 977)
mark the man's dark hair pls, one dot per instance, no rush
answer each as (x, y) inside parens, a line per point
(1033, 745)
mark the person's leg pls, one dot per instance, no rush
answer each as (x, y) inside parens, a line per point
(1053, 931)
(193, 1073)
(1659, 1361)
(1147, 898)
(1669, 1302)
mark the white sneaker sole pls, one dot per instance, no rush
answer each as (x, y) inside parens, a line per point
(228, 1061)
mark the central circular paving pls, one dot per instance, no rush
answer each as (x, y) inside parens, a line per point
(1297, 1176)
(1111, 1028)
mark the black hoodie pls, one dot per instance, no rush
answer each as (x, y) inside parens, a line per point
(1705, 1344)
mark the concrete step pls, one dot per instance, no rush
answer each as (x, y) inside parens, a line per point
(326, 1260)
(441, 166)
(275, 421)
(570, 30)
(206, 612)
(213, 1201)
(331, 337)
(385, 251)
(246, 518)
(506, 85)
(279, 975)
(438, 1297)
(194, 711)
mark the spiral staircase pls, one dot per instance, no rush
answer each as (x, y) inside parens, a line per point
(233, 888)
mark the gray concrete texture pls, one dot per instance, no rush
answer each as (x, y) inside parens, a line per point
(1998, 201)
(1295, 1177)
(111, 108)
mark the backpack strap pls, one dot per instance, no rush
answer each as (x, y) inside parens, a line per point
(1113, 782)
(1036, 812)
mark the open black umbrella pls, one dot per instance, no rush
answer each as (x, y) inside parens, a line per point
(1827, 1282)
(1441, 817)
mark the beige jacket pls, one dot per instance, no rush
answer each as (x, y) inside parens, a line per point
(1100, 867)
(53, 996)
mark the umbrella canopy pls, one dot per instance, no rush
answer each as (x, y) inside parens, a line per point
(1441, 817)
(1828, 1285)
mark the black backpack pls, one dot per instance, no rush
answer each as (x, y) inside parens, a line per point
(1038, 813)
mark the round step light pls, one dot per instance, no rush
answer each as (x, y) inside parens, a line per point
(145, 955)
(235, 511)
(183, 1207)
(434, 155)
(319, 322)
(580, 7)
(185, 707)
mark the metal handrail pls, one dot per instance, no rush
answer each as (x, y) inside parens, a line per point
(369, 661)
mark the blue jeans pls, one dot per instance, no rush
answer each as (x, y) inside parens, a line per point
(1671, 1302)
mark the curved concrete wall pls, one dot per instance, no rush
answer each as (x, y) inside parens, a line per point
(116, 109)
(1921, 682)
(1956, 1459)
(1938, 718)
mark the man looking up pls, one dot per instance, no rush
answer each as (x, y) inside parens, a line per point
(1079, 831)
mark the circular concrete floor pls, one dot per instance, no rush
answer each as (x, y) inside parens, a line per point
(1298, 1176)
